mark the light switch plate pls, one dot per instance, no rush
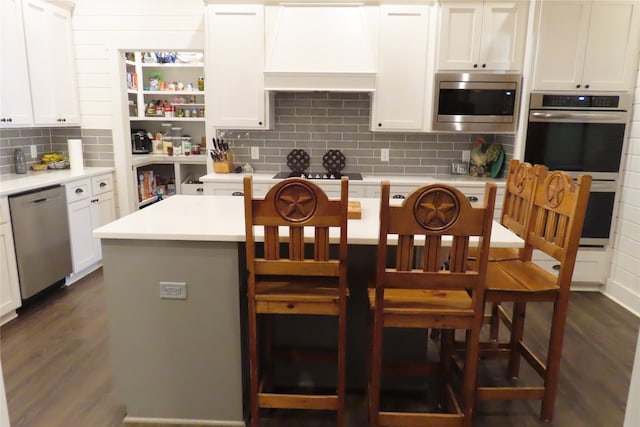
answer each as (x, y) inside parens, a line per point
(173, 290)
(384, 155)
(255, 153)
(34, 152)
(466, 156)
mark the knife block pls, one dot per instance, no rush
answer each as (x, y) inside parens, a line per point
(224, 166)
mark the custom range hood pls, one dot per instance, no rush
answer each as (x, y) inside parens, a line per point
(319, 48)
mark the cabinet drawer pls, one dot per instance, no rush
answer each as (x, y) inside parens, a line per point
(101, 184)
(4, 210)
(78, 190)
(192, 189)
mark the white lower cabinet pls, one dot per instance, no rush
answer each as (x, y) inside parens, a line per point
(591, 266)
(9, 285)
(91, 204)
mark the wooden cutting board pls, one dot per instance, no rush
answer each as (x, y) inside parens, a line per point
(354, 210)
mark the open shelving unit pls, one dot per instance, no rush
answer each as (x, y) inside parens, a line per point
(188, 105)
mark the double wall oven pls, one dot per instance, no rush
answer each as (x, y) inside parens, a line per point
(582, 134)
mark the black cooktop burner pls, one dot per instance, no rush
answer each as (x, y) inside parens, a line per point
(356, 176)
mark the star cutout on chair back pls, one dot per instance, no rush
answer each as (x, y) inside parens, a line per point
(556, 187)
(521, 178)
(296, 202)
(436, 209)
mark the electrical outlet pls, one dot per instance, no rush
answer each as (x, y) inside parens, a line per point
(255, 153)
(384, 155)
(34, 152)
(173, 290)
(466, 156)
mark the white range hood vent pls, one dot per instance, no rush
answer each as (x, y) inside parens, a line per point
(323, 48)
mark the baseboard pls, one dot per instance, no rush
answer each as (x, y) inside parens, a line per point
(74, 277)
(177, 422)
(8, 317)
(622, 296)
(586, 286)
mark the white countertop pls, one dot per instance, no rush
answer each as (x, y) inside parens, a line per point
(17, 183)
(221, 218)
(366, 179)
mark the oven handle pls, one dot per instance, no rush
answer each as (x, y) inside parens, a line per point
(568, 116)
(603, 186)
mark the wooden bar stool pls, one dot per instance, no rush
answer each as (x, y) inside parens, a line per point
(522, 181)
(295, 285)
(556, 223)
(430, 297)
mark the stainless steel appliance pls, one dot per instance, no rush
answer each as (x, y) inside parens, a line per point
(140, 142)
(582, 134)
(476, 102)
(41, 236)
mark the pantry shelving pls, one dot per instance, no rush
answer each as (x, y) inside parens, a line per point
(161, 96)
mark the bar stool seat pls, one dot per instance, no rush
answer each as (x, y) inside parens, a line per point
(424, 302)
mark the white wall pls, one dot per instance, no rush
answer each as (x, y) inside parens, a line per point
(103, 26)
(624, 279)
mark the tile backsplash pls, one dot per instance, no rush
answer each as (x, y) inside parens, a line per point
(319, 121)
(97, 145)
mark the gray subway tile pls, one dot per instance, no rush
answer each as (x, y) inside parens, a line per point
(97, 132)
(9, 133)
(67, 131)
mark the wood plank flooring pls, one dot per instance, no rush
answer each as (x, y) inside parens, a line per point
(55, 358)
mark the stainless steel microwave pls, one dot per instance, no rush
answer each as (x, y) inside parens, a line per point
(476, 102)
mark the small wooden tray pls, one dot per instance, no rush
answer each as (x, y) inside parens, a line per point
(354, 210)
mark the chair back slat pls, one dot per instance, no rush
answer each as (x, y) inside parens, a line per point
(296, 243)
(431, 212)
(459, 254)
(321, 244)
(271, 242)
(404, 258)
(306, 267)
(432, 259)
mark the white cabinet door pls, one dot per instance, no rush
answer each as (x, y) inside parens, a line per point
(483, 36)
(235, 94)
(9, 285)
(40, 65)
(51, 63)
(398, 103)
(103, 211)
(561, 41)
(587, 45)
(15, 108)
(504, 28)
(460, 35)
(611, 55)
(83, 248)
(64, 70)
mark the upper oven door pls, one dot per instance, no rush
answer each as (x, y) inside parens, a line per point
(482, 102)
(577, 141)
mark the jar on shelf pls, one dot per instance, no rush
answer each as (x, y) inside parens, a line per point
(201, 83)
(176, 139)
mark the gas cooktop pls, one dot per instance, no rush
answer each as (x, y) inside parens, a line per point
(355, 176)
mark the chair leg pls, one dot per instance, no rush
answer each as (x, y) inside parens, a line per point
(470, 378)
(495, 323)
(554, 355)
(517, 334)
(342, 344)
(253, 366)
(447, 341)
(376, 370)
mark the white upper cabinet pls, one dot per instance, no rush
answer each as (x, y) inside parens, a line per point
(15, 108)
(479, 35)
(235, 95)
(590, 45)
(51, 60)
(399, 99)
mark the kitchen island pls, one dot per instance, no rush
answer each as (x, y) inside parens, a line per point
(180, 360)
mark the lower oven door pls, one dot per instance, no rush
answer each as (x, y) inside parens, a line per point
(597, 220)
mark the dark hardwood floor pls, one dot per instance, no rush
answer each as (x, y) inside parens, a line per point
(57, 373)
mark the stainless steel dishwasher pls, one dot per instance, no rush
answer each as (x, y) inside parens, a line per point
(41, 237)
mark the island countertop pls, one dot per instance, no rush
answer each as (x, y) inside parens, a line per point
(221, 219)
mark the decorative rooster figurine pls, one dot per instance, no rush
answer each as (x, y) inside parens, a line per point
(486, 159)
